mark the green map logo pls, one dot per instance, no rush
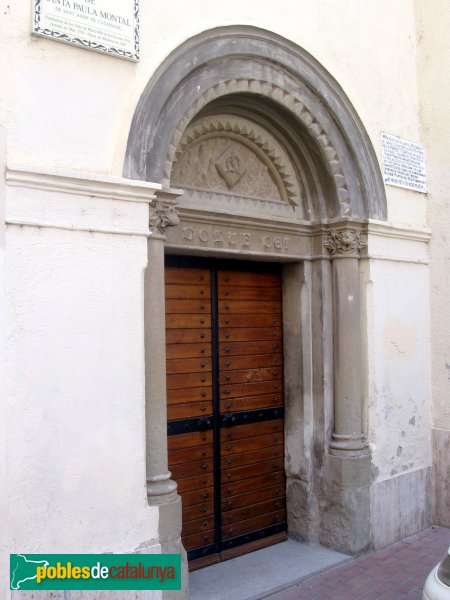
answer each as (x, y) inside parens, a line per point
(95, 572)
(23, 570)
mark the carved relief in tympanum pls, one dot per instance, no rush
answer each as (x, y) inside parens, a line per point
(234, 157)
(224, 165)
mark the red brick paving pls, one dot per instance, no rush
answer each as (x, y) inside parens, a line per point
(397, 572)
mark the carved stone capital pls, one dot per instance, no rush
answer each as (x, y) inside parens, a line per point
(162, 211)
(344, 242)
(162, 215)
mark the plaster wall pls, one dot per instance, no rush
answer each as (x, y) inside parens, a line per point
(399, 418)
(434, 74)
(4, 527)
(75, 364)
(68, 107)
(396, 304)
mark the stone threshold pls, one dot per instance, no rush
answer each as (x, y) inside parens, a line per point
(260, 573)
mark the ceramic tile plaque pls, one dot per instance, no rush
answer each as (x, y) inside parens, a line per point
(404, 163)
(110, 26)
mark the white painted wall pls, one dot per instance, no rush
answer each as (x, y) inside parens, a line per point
(75, 391)
(75, 366)
(4, 522)
(398, 383)
(434, 72)
(434, 75)
(396, 306)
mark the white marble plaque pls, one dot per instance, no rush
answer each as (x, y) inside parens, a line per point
(404, 163)
(110, 26)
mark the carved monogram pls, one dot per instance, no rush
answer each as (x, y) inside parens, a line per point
(343, 242)
(162, 215)
(229, 167)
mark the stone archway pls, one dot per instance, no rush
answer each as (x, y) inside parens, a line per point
(272, 98)
(259, 64)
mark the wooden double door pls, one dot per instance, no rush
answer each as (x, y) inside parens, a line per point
(225, 404)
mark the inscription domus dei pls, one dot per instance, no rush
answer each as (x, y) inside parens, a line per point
(235, 239)
(110, 26)
(245, 239)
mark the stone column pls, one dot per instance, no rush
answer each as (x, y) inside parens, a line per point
(344, 246)
(160, 488)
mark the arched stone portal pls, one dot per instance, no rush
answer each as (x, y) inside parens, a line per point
(264, 66)
(275, 165)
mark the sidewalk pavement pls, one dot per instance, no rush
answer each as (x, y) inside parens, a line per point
(397, 572)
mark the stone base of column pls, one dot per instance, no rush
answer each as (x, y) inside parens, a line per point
(349, 445)
(344, 502)
(161, 489)
(170, 524)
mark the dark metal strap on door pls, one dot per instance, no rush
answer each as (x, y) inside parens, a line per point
(254, 535)
(251, 416)
(200, 552)
(189, 425)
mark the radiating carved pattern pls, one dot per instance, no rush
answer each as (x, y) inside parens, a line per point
(282, 97)
(224, 165)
